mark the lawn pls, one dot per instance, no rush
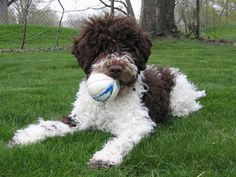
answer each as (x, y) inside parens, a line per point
(45, 36)
(36, 36)
(44, 84)
(227, 32)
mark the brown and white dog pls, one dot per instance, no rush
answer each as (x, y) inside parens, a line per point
(119, 48)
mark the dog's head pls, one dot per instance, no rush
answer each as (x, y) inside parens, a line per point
(113, 45)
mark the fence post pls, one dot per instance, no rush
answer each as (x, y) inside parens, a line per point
(59, 26)
(26, 10)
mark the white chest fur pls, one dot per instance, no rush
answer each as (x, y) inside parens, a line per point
(125, 112)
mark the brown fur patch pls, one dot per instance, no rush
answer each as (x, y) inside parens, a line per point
(68, 121)
(159, 82)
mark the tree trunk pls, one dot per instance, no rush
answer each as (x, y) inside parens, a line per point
(197, 27)
(112, 6)
(148, 19)
(206, 21)
(3, 12)
(60, 22)
(130, 9)
(157, 18)
(26, 11)
(226, 13)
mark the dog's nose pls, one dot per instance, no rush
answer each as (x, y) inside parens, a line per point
(115, 70)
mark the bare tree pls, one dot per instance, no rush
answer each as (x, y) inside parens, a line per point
(230, 10)
(192, 16)
(43, 17)
(181, 15)
(197, 16)
(26, 11)
(21, 7)
(4, 4)
(157, 18)
(115, 8)
(129, 9)
(112, 6)
(224, 9)
(206, 11)
(59, 26)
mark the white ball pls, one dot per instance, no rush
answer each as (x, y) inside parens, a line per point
(102, 87)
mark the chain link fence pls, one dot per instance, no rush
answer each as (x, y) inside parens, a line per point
(38, 25)
(48, 25)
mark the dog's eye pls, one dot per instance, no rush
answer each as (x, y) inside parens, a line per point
(131, 61)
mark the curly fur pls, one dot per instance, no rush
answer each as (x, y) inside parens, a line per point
(109, 34)
(147, 95)
(159, 82)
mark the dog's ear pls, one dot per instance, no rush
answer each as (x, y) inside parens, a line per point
(143, 50)
(90, 42)
(83, 52)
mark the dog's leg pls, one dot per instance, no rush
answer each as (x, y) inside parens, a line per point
(78, 119)
(114, 150)
(42, 130)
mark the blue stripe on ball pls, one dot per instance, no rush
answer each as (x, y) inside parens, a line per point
(109, 91)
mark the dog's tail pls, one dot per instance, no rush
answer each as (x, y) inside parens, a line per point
(184, 95)
(42, 130)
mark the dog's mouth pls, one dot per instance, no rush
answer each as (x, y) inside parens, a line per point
(125, 78)
(119, 67)
(129, 83)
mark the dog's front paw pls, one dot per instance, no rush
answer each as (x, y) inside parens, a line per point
(11, 144)
(104, 159)
(99, 164)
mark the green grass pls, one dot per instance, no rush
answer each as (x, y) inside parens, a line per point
(227, 32)
(44, 37)
(37, 36)
(44, 84)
